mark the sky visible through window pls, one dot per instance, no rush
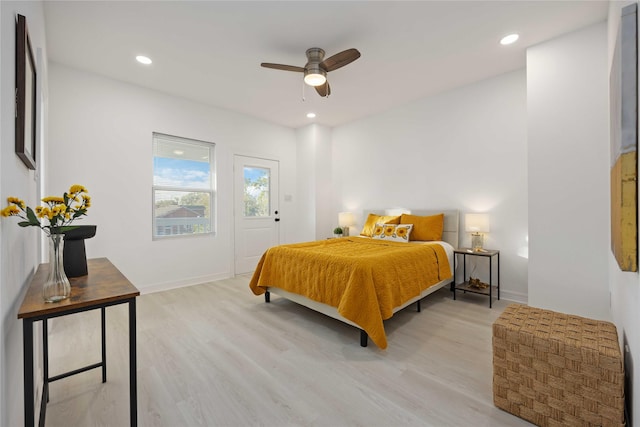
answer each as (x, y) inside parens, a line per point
(253, 173)
(171, 172)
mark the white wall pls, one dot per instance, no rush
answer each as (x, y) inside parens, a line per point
(19, 248)
(100, 137)
(567, 107)
(464, 149)
(314, 181)
(625, 286)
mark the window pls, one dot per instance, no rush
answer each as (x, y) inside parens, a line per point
(183, 186)
(256, 191)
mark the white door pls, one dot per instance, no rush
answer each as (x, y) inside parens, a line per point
(256, 210)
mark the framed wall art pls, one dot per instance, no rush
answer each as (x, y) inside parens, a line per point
(624, 142)
(25, 95)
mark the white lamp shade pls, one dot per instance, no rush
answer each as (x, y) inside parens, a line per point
(315, 79)
(476, 223)
(346, 219)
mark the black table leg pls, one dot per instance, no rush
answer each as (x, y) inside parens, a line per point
(498, 276)
(27, 343)
(490, 281)
(453, 284)
(133, 383)
(45, 357)
(104, 345)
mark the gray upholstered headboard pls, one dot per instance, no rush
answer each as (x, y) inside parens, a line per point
(451, 220)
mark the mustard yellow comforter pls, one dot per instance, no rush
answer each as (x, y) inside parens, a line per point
(365, 279)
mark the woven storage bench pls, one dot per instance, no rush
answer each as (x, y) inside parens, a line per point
(555, 369)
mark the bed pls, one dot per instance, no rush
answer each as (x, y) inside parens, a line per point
(358, 280)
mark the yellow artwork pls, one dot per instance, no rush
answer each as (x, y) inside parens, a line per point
(624, 143)
(624, 211)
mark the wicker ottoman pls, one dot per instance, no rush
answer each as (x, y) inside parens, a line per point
(555, 369)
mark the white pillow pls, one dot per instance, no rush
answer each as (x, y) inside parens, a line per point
(392, 232)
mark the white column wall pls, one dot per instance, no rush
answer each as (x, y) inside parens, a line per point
(568, 161)
(314, 181)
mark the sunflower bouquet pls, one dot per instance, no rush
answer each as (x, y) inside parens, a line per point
(57, 213)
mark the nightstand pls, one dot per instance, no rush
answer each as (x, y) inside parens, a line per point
(465, 286)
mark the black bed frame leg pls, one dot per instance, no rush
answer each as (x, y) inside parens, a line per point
(364, 338)
(418, 306)
(267, 297)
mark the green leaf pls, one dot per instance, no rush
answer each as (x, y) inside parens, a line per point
(24, 224)
(31, 216)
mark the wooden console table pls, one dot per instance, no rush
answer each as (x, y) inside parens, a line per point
(104, 286)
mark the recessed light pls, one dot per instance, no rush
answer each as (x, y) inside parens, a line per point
(143, 59)
(178, 152)
(311, 115)
(511, 38)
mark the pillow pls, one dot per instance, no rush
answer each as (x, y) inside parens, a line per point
(426, 228)
(392, 232)
(372, 219)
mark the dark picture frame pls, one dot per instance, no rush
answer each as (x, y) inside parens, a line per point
(25, 95)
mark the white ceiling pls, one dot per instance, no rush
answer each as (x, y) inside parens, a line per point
(210, 51)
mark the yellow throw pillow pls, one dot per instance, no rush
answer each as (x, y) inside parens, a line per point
(392, 232)
(372, 219)
(425, 228)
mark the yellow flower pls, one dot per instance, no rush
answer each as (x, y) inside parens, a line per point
(16, 201)
(57, 213)
(377, 231)
(389, 229)
(42, 212)
(53, 199)
(77, 188)
(58, 209)
(10, 210)
(402, 232)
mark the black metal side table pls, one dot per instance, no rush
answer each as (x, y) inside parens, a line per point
(465, 286)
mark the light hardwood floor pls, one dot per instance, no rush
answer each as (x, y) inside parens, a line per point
(216, 355)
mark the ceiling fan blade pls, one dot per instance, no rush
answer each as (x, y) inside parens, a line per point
(283, 67)
(324, 89)
(340, 59)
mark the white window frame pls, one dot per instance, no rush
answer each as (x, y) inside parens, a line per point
(211, 190)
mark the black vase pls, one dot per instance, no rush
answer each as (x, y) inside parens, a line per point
(75, 254)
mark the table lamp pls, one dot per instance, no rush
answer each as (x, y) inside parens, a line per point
(346, 220)
(476, 224)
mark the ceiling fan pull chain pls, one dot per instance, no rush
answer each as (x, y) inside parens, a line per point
(303, 85)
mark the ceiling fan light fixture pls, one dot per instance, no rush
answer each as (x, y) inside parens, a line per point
(316, 69)
(315, 76)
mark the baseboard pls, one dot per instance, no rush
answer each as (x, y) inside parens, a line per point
(165, 286)
(518, 297)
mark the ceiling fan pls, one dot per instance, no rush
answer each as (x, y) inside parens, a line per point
(316, 69)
